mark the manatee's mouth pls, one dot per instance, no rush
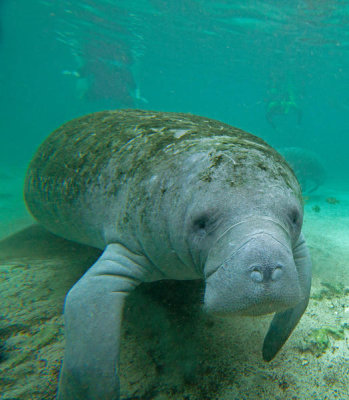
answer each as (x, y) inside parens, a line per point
(266, 307)
(251, 306)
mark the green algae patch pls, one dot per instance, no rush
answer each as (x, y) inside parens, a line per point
(319, 339)
(330, 290)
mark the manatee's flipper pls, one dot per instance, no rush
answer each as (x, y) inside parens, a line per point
(284, 322)
(93, 313)
(280, 329)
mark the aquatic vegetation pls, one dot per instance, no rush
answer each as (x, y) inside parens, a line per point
(319, 339)
(330, 290)
(332, 200)
(316, 208)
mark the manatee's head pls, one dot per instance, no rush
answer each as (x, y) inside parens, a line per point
(244, 232)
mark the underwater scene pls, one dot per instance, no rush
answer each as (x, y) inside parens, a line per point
(174, 199)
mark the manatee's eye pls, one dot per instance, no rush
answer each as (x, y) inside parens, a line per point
(204, 224)
(200, 225)
(295, 217)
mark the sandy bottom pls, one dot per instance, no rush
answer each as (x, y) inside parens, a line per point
(170, 349)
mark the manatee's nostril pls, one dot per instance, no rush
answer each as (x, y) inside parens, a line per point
(276, 274)
(257, 274)
(266, 273)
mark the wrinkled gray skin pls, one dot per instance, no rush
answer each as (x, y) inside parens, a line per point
(171, 196)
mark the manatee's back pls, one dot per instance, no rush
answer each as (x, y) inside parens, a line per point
(75, 177)
(67, 164)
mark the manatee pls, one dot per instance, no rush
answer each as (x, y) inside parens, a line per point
(167, 196)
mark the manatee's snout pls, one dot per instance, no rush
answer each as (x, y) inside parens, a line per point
(260, 277)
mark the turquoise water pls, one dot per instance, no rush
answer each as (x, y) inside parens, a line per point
(222, 59)
(275, 68)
